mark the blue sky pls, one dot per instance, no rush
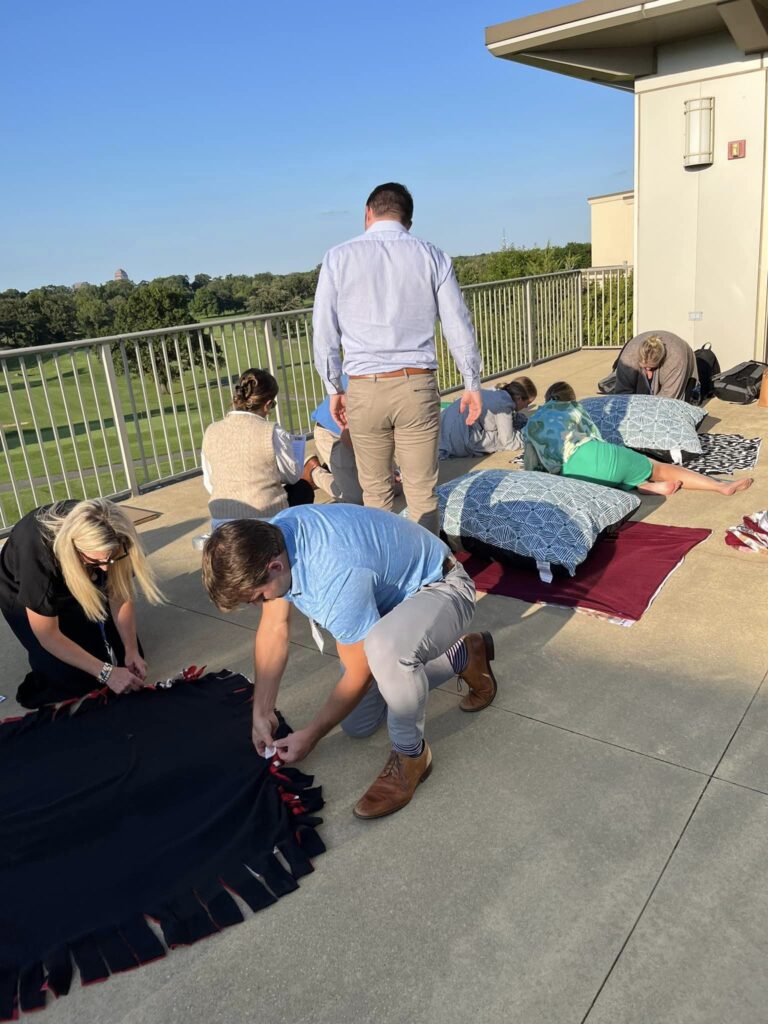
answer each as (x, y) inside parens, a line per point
(241, 136)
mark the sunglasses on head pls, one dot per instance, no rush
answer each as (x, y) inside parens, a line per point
(97, 563)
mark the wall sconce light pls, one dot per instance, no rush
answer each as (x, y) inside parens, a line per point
(699, 132)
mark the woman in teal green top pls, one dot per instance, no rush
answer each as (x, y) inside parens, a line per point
(561, 438)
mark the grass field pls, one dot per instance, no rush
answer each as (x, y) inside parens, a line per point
(58, 435)
(58, 429)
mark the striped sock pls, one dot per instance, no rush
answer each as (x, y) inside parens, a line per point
(414, 751)
(458, 655)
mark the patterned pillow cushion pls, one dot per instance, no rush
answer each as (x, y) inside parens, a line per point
(646, 421)
(552, 519)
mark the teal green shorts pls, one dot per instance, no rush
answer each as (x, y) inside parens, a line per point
(609, 464)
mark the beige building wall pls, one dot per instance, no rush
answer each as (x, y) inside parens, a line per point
(612, 219)
(700, 258)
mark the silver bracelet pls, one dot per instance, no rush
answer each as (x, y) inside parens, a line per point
(106, 672)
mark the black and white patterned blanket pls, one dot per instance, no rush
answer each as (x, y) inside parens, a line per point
(723, 454)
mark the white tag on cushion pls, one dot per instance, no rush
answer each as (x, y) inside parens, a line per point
(545, 571)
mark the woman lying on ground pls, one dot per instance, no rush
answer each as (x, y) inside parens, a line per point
(67, 592)
(497, 429)
(250, 469)
(562, 438)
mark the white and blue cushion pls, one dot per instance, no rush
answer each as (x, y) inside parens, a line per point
(552, 519)
(647, 421)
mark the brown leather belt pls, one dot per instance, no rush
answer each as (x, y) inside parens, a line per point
(407, 371)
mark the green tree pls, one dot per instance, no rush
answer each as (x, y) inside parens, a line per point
(163, 302)
(205, 303)
(52, 310)
(521, 262)
(95, 317)
(17, 322)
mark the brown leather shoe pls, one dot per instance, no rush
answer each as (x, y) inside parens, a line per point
(310, 466)
(396, 785)
(478, 674)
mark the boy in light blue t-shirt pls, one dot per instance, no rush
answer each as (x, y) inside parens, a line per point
(396, 602)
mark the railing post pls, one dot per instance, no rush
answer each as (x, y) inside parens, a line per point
(134, 409)
(580, 290)
(119, 418)
(530, 322)
(269, 341)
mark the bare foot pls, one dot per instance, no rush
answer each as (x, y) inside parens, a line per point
(660, 487)
(736, 485)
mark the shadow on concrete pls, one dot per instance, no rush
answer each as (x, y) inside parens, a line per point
(708, 423)
(163, 536)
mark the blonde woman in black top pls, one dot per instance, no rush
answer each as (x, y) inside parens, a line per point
(67, 590)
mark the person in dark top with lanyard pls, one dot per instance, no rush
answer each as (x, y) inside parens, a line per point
(67, 592)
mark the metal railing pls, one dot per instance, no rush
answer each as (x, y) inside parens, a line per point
(115, 416)
(607, 306)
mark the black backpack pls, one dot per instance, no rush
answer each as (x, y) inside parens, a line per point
(708, 367)
(741, 384)
(607, 384)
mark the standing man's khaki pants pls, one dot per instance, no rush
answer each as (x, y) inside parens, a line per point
(397, 418)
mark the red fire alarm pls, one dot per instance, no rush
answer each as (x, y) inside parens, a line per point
(737, 150)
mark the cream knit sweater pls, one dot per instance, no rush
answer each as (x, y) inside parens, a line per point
(244, 475)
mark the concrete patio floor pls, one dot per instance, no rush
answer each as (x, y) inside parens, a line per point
(590, 848)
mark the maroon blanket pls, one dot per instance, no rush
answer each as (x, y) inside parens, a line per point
(619, 578)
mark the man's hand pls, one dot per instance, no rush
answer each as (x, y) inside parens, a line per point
(296, 747)
(263, 730)
(339, 410)
(472, 401)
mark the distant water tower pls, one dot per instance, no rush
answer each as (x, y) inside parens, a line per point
(120, 275)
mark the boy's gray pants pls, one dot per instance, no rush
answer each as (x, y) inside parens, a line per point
(406, 652)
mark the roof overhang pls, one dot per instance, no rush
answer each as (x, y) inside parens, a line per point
(614, 42)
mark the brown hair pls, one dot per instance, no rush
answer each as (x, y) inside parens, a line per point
(560, 391)
(236, 560)
(521, 389)
(652, 352)
(529, 386)
(253, 390)
(391, 199)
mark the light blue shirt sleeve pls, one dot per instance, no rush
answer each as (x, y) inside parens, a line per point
(326, 334)
(458, 330)
(354, 613)
(378, 297)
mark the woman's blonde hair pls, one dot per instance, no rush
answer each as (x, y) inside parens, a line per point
(652, 352)
(560, 391)
(98, 525)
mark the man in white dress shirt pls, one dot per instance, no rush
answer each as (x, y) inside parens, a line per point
(377, 298)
